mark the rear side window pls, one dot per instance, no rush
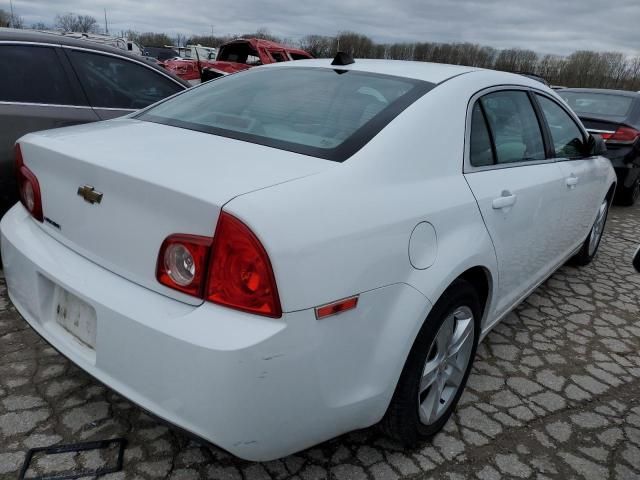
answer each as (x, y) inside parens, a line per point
(278, 56)
(513, 123)
(33, 74)
(566, 136)
(315, 111)
(480, 152)
(240, 53)
(112, 82)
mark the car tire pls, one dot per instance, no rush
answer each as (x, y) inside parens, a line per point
(590, 246)
(628, 196)
(406, 415)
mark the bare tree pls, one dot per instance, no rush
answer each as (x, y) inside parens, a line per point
(582, 68)
(8, 20)
(180, 40)
(76, 23)
(39, 26)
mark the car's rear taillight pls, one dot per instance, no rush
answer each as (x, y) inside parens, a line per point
(28, 187)
(240, 273)
(183, 262)
(231, 269)
(623, 135)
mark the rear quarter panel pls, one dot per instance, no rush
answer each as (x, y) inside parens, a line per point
(346, 230)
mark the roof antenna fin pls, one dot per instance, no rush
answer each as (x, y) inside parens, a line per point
(343, 58)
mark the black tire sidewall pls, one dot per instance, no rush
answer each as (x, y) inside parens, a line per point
(405, 403)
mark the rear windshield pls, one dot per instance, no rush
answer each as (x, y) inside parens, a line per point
(314, 111)
(598, 103)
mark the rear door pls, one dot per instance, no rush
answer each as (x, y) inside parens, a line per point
(518, 189)
(37, 92)
(582, 172)
(116, 85)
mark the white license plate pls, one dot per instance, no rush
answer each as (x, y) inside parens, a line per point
(77, 317)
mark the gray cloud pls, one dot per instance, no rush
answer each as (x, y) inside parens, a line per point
(547, 26)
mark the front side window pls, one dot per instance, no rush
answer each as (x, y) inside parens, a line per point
(567, 138)
(320, 112)
(112, 82)
(33, 74)
(514, 127)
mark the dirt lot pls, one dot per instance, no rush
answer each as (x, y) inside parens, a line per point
(554, 394)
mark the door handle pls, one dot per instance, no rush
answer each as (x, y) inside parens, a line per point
(507, 199)
(572, 181)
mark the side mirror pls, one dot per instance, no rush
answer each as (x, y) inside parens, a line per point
(636, 260)
(596, 145)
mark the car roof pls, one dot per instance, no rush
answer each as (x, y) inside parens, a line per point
(32, 36)
(428, 72)
(260, 42)
(624, 93)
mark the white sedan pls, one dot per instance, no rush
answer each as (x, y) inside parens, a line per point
(283, 255)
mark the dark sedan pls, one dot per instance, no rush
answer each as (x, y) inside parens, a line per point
(614, 114)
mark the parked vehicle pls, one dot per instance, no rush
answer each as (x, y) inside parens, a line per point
(190, 61)
(160, 53)
(331, 246)
(242, 54)
(120, 43)
(614, 114)
(49, 81)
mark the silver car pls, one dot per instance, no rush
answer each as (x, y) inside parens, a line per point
(49, 81)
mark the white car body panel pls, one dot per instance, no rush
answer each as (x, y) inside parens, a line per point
(527, 234)
(331, 231)
(236, 378)
(148, 195)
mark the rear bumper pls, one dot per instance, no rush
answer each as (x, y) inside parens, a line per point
(257, 387)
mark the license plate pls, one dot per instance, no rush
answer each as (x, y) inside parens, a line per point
(77, 317)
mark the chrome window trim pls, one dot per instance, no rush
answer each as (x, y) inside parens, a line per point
(467, 167)
(56, 105)
(594, 130)
(36, 104)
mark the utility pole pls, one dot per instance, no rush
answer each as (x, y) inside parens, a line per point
(11, 19)
(106, 26)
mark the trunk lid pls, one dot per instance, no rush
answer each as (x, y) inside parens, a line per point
(155, 179)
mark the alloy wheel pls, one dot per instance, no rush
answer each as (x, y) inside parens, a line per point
(446, 365)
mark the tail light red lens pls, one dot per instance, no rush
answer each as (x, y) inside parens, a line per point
(240, 273)
(28, 187)
(231, 269)
(182, 263)
(624, 135)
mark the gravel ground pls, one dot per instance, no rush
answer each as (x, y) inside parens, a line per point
(553, 394)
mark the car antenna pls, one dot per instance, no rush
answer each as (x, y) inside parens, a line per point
(342, 58)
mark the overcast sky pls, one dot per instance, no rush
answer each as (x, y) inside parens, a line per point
(547, 26)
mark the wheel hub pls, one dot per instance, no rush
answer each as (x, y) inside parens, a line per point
(447, 362)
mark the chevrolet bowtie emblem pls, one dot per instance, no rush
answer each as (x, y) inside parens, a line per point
(90, 194)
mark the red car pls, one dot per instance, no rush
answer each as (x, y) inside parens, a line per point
(235, 56)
